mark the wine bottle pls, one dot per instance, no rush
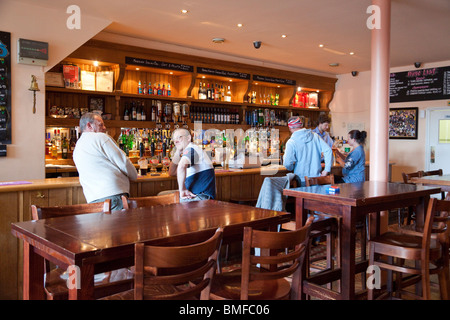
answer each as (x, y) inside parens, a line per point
(64, 147)
(228, 95)
(126, 113)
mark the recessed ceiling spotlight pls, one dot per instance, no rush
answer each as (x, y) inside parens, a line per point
(184, 11)
(96, 63)
(351, 53)
(239, 25)
(283, 36)
(218, 40)
(137, 68)
(334, 64)
(320, 45)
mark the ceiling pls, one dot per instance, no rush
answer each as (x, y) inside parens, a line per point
(420, 30)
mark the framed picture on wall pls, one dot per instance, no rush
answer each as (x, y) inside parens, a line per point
(97, 104)
(403, 123)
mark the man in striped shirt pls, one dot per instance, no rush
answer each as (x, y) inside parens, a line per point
(193, 169)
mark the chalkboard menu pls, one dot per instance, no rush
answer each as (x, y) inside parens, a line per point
(223, 73)
(159, 64)
(5, 88)
(418, 85)
(274, 80)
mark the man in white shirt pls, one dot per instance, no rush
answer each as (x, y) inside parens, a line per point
(104, 169)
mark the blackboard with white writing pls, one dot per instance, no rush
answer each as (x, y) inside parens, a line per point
(418, 85)
(159, 64)
(5, 89)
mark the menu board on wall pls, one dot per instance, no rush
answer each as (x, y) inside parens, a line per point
(159, 64)
(274, 80)
(418, 85)
(223, 73)
(5, 88)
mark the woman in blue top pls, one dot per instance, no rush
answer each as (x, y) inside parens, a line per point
(354, 164)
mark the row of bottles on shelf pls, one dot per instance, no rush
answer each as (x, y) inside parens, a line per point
(157, 144)
(214, 115)
(214, 92)
(58, 142)
(269, 99)
(267, 117)
(159, 90)
(145, 142)
(158, 112)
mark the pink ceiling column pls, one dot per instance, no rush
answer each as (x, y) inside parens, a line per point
(379, 101)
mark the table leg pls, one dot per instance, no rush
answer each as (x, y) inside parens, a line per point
(84, 288)
(348, 238)
(301, 215)
(33, 274)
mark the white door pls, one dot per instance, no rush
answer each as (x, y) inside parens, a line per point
(437, 154)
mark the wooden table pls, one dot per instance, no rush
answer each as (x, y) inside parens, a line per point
(98, 242)
(354, 202)
(442, 182)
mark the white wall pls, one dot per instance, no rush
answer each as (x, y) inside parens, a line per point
(351, 106)
(26, 154)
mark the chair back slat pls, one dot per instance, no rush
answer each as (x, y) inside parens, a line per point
(149, 201)
(312, 181)
(38, 212)
(407, 176)
(437, 172)
(193, 264)
(290, 246)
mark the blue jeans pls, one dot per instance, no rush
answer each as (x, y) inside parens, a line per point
(116, 201)
(198, 197)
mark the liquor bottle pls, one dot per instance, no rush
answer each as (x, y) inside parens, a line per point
(216, 92)
(126, 113)
(169, 91)
(155, 90)
(64, 147)
(58, 140)
(143, 113)
(48, 144)
(159, 91)
(209, 93)
(138, 113)
(144, 89)
(150, 89)
(54, 150)
(73, 140)
(228, 95)
(153, 116)
(133, 112)
(163, 90)
(199, 91)
(139, 87)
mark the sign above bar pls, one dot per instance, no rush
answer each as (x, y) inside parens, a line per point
(418, 85)
(223, 73)
(159, 64)
(274, 80)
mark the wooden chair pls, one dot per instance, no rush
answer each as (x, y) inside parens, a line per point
(427, 249)
(173, 273)
(437, 172)
(325, 224)
(264, 277)
(149, 201)
(410, 210)
(55, 286)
